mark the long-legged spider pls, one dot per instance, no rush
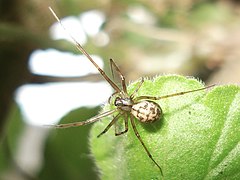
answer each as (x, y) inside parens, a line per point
(127, 105)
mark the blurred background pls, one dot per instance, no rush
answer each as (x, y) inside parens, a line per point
(44, 79)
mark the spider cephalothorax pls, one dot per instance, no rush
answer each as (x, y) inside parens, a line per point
(124, 104)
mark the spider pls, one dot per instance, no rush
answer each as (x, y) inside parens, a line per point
(128, 106)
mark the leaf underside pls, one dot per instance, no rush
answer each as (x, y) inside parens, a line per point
(197, 137)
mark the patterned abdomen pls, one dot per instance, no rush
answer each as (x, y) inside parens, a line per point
(146, 111)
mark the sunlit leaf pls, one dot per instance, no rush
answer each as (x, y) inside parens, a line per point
(198, 136)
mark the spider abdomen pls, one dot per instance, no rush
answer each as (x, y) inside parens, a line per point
(146, 111)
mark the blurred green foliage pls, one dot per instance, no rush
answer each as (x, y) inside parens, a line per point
(67, 154)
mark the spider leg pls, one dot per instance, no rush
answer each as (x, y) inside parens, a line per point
(89, 121)
(110, 98)
(138, 87)
(113, 64)
(81, 49)
(110, 124)
(144, 146)
(171, 95)
(126, 126)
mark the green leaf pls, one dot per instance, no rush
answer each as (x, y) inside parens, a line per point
(9, 145)
(197, 137)
(67, 155)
